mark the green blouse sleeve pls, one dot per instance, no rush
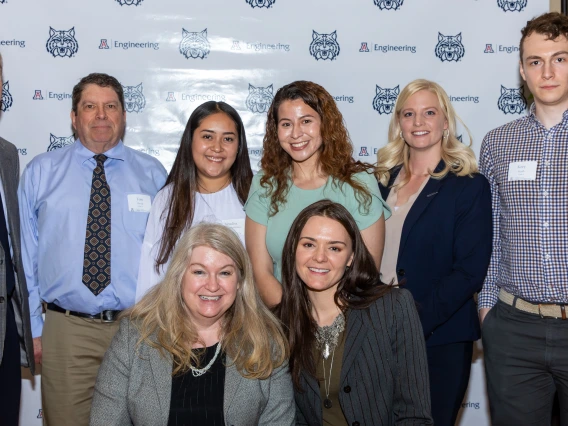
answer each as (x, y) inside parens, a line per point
(258, 204)
(378, 206)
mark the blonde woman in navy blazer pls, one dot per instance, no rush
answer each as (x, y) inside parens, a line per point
(444, 242)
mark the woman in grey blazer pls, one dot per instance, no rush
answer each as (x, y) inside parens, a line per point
(200, 348)
(357, 354)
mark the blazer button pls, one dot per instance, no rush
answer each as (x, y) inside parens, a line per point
(347, 389)
(401, 272)
(1, 299)
(355, 424)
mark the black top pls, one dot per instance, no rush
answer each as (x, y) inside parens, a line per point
(198, 401)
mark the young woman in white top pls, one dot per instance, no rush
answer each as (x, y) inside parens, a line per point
(209, 182)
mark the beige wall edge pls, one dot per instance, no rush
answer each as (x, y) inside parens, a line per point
(555, 5)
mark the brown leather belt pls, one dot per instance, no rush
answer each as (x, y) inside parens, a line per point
(104, 316)
(545, 310)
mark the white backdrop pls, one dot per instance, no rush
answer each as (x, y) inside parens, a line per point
(172, 55)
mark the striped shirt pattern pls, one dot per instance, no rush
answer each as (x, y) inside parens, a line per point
(530, 217)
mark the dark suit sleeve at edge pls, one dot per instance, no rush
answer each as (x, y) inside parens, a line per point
(411, 403)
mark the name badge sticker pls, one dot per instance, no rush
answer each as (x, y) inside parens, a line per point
(237, 225)
(139, 203)
(522, 170)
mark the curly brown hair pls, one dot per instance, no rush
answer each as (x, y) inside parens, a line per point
(336, 156)
(552, 25)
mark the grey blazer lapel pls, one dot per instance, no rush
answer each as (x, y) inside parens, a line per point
(162, 371)
(356, 334)
(233, 380)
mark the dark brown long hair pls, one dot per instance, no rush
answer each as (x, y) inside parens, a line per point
(336, 156)
(183, 177)
(359, 287)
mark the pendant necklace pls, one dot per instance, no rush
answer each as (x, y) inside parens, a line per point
(327, 338)
(200, 371)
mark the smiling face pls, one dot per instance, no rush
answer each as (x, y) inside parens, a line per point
(545, 69)
(324, 251)
(99, 121)
(210, 286)
(299, 131)
(422, 121)
(214, 147)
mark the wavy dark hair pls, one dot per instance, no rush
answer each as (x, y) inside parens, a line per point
(552, 25)
(359, 287)
(336, 156)
(183, 177)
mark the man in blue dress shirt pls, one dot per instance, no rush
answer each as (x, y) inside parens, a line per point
(83, 211)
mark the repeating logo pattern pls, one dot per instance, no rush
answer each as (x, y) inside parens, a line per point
(194, 44)
(261, 3)
(2, 1)
(512, 101)
(134, 99)
(7, 99)
(512, 5)
(449, 48)
(62, 43)
(385, 99)
(129, 2)
(56, 142)
(259, 98)
(324, 46)
(389, 4)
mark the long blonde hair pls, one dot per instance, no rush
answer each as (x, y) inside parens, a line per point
(458, 157)
(252, 336)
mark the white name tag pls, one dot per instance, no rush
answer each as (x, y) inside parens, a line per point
(237, 225)
(139, 203)
(523, 170)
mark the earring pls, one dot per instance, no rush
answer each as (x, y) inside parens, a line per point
(402, 137)
(446, 134)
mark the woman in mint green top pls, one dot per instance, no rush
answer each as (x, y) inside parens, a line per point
(307, 156)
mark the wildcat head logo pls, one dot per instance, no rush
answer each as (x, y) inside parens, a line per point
(389, 4)
(62, 43)
(512, 5)
(194, 45)
(7, 99)
(449, 48)
(261, 3)
(324, 46)
(259, 98)
(385, 99)
(129, 2)
(512, 101)
(134, 99)
(56, 142)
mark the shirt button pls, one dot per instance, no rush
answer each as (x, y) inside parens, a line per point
(545, 193)
(547, 257)
(545, 224)
(401, 272)
(347, 389)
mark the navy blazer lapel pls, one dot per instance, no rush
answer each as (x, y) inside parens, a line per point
(162, 368)
(356, 334)
(385, 191)
(428, 193)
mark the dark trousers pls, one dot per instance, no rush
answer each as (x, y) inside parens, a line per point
(526, 363)
(10, 373)
(449, 367)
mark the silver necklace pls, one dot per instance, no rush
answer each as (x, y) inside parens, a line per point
(200, 371)
(327, 402)
(328, 335)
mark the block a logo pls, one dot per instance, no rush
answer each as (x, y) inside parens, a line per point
(129, 2)
(171, 97)
(512, 101)
(37, 95)
(134, 99)
(261, 3)
(488, 48)
(512, 5)
(259, 98)
(7, 99)
(363, 152)
(56, 142)
(459, 138)
(385, 99)
(194, 44)
(62, 43)
(236, 45)
(104, 44)
(324, 46)
(40, 414)
(389, 4)
(364, 47)
(449, 48)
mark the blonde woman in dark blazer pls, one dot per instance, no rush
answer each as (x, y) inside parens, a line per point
(157, 372)
(357, 355)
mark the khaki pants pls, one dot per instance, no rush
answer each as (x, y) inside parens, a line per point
(73, 349)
